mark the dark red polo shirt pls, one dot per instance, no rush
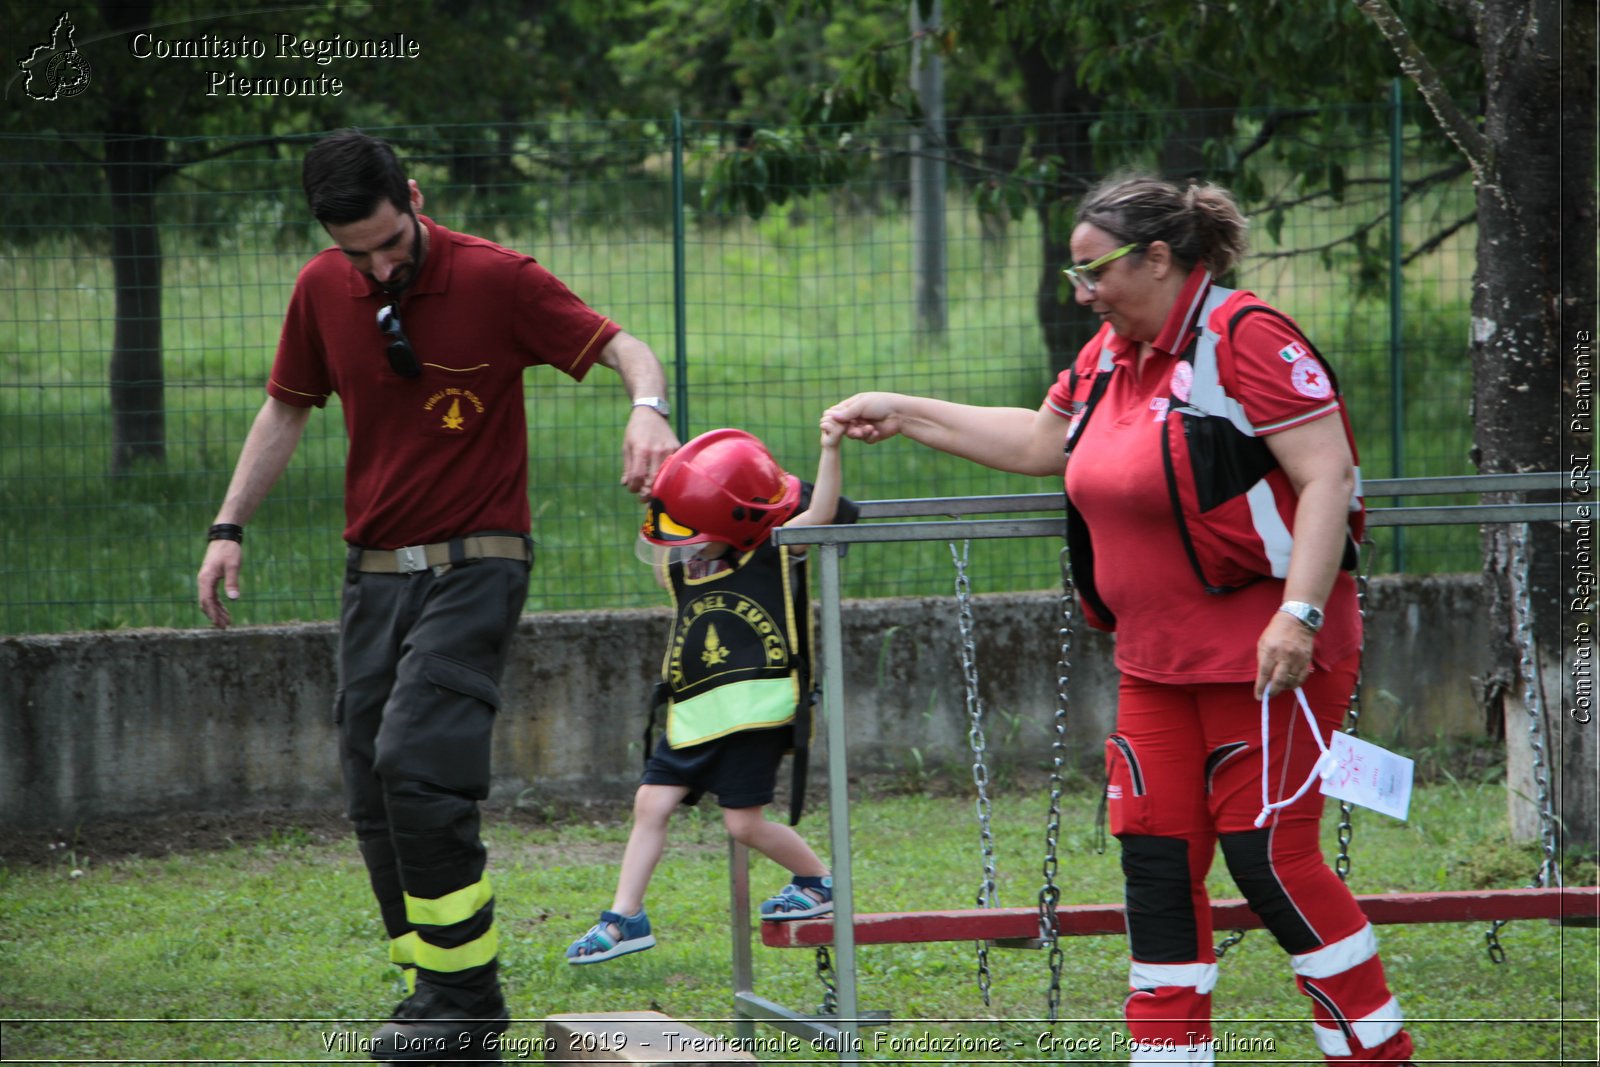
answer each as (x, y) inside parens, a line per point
(1169, 629)
(446, 453)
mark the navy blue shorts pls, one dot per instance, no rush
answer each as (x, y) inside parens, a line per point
(740, 770)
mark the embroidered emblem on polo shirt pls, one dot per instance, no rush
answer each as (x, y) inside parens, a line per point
(1292, 351)
(1309, 379)
(453, 414)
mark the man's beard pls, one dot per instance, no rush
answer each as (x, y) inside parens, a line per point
(398, 283)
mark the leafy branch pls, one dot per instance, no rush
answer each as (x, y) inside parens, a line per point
(1415, 65)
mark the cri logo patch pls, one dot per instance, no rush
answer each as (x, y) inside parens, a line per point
(1310, 379)
(447, 403)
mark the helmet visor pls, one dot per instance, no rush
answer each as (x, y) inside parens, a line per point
(659, 555)
(662, 529)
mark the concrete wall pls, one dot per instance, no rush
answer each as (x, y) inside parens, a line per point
(158, 721)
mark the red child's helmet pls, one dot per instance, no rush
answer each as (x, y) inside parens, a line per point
(722, 486)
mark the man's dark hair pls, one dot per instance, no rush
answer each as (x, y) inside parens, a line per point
(346, 176)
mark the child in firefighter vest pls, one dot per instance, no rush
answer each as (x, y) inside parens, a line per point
(736, 678)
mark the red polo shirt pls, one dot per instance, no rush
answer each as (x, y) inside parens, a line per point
(446, 453)
(1169, 629)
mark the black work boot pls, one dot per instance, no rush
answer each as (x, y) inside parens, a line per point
(430, 1027)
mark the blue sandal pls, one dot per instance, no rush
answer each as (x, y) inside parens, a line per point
(804, 898)
(598, 945)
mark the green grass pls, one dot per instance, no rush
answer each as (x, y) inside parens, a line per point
(784, 316)
(196, 956)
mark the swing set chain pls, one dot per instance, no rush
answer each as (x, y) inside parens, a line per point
(1549, 872)
(830, 986)
(1341, 866)
(1233, 938)
(987, 894)
(1050, 893)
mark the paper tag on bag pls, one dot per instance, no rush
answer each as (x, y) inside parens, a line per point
(1364, 773)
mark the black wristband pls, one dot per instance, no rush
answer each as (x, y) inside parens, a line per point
(226, 531)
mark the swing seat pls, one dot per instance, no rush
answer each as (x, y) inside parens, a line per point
(1571, 905)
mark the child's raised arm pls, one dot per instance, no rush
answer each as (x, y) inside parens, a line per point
(825, 491)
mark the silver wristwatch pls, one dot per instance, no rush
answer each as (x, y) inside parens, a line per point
(657, 404)
(1309, 615)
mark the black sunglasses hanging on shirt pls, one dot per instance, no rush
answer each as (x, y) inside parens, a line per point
(402, 358)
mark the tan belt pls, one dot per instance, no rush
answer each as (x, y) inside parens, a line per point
(425, 557)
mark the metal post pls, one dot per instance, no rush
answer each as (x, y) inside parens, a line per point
(928, 177)
(680, 300)
(744, 976)
(1397, 375)
(844, 908)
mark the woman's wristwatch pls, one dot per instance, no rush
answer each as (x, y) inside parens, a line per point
(1309, 615)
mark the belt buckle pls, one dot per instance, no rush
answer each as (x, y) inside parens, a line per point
(411, 559)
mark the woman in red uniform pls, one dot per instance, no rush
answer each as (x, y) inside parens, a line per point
(1213, 509)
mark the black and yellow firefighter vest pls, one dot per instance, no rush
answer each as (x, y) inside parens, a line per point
(738, 657)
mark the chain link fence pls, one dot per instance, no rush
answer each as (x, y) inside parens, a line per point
(136, 333)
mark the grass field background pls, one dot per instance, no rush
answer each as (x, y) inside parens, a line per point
(260, 951)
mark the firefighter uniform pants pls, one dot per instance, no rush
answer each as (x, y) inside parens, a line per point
(1184, 773)
(420, 659)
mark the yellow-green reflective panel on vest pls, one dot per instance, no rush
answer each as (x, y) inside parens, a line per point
(462, 957)
(451, 908)
(728, 708)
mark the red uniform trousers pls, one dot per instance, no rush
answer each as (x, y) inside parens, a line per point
(1184, 774)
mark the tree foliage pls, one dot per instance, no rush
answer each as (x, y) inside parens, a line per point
(156, 111)
(1191, 89)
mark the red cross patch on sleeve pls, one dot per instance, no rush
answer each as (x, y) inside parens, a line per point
(1310, 379)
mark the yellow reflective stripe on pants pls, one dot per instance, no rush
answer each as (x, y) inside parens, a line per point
(403, 949)
(451, 908)
(462, 957)
(403, 953)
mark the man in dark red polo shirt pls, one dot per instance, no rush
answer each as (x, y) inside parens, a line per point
(425, 335)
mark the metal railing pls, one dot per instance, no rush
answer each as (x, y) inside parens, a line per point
(841, 1030)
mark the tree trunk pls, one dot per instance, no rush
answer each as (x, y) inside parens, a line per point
(929, 151)
(1067, 111)
(1579, 753)
(1530, 293)
(1063, 133)
(133, 169)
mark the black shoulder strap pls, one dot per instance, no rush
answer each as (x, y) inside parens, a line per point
(800, 757)
(659, 696)
(1097, 389)
(1080, 553)
(848, 512)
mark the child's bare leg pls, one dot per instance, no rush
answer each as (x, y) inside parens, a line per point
(776, 841)
(653, 805)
